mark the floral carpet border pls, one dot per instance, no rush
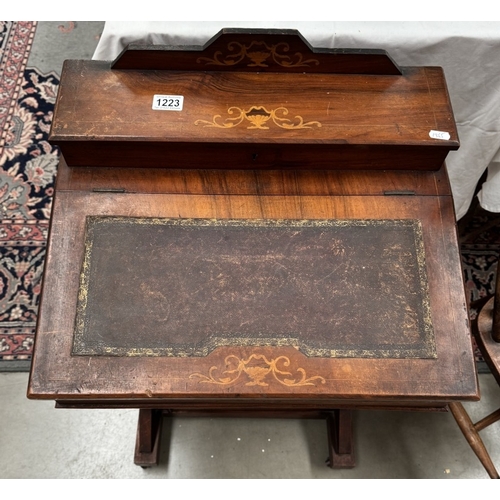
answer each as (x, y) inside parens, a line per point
(27, 172)
(16, 40)
(28, 166)
(22, 253)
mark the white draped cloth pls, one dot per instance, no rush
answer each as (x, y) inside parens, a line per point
(469, 53)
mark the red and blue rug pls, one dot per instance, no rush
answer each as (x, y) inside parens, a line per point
(28, 165)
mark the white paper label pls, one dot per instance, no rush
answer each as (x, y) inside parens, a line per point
(437, 134)
(168, 102)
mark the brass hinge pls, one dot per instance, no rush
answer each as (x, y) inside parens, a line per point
(400, 193)
(108, 190)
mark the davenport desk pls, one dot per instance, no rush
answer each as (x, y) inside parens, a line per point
(253, 228)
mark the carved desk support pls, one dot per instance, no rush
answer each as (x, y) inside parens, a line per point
(340, 432)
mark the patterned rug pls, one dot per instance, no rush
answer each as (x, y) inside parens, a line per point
(28, 166)
(479, 234)
(27, 171)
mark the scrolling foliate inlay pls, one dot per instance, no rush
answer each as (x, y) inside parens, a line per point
(259, 117)
(257, 368)
(259, 54)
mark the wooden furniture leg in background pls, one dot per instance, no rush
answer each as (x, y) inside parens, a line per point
(340, 439)
(486, 330)
(471, 433)
(147, 444)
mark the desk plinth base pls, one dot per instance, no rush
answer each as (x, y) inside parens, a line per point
(339, 427)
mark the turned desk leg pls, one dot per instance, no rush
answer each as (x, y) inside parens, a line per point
(340, 439)
(147, 444)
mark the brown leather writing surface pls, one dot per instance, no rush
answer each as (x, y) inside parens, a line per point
(183, 287)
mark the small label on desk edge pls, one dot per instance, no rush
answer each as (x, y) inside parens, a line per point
(438, 134)
(168, 102)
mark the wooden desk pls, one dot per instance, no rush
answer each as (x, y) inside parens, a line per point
(346, 286)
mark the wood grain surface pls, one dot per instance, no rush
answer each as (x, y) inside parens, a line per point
(247, 120)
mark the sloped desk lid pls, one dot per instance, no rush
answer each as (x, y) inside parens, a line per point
(110, 250)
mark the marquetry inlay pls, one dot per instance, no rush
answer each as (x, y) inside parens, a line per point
(259, 118)
(258, 53)
(257, 368)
